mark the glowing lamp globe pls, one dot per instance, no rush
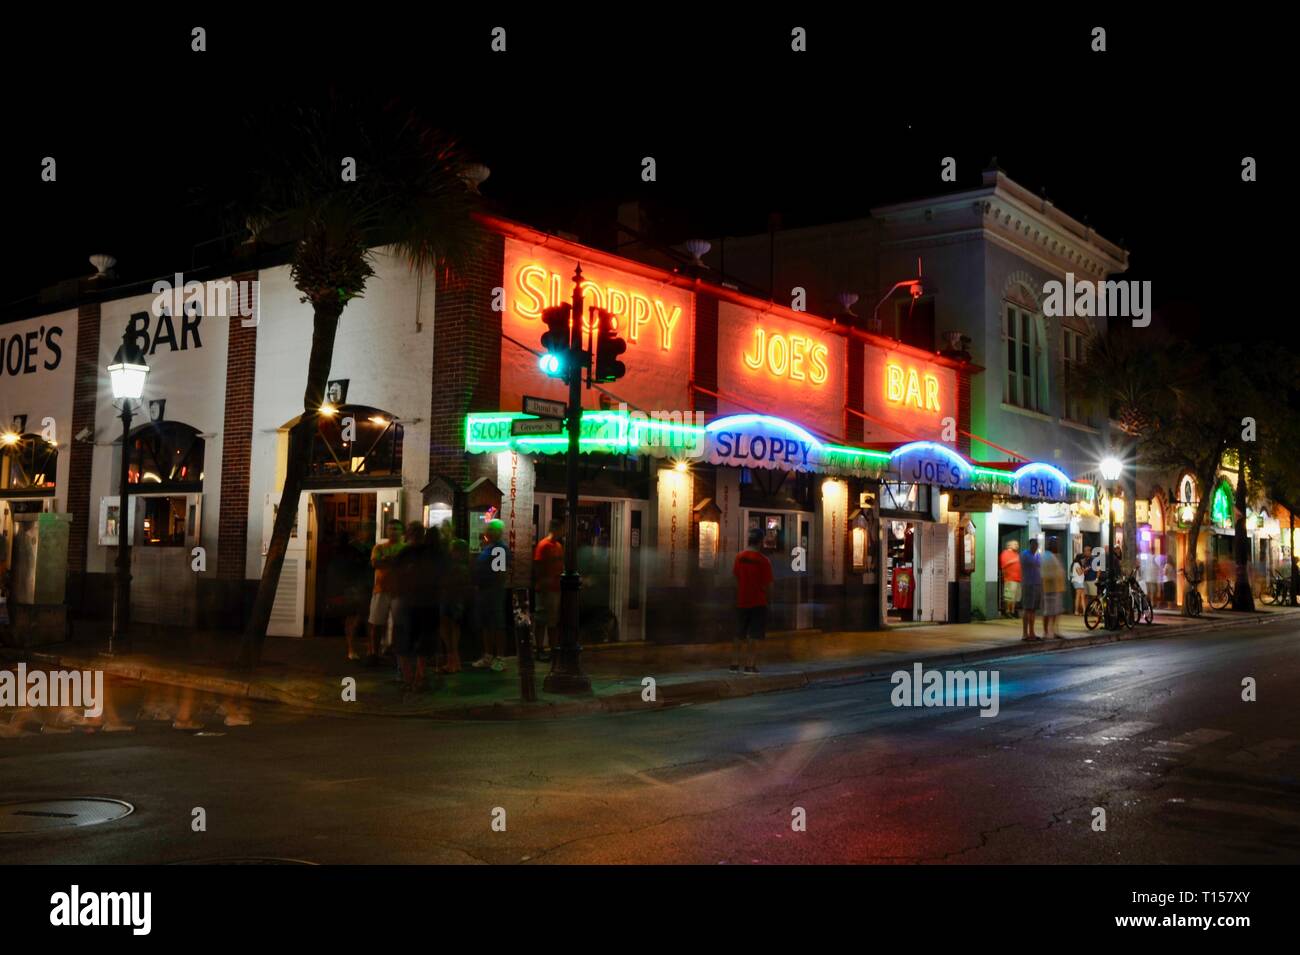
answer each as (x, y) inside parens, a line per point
(128, 370)
(1111, 468)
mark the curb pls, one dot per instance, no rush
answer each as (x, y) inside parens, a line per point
(679, 694)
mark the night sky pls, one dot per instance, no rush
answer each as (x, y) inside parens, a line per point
(1145, 141)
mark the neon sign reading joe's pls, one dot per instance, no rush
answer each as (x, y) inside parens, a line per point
(788, 356)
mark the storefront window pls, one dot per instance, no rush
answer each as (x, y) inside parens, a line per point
(165, 520)
(773, 528)
(167, 454)
(900, 497)
(353, 441)
(28, 463)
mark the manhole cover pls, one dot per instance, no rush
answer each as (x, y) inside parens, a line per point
(61, 813)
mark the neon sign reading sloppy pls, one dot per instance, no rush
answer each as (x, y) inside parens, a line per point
(539, 288)
(904, 387)
(792, 356)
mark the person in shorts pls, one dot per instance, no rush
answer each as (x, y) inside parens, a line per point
(1031, 590)
(382, 556)
(753, 573)
(1078, 570)
(1052, 574)
(1009, 562)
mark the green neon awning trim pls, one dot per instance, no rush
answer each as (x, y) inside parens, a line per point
(628, 432)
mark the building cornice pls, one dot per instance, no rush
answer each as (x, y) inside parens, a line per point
(1010, 215)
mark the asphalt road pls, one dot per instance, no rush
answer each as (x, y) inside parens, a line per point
(1154, 732)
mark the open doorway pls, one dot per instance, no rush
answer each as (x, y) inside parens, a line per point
(902, 566)
(343, 520)
(597, 620)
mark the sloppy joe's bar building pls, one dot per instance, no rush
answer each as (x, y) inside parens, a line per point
(735, 414)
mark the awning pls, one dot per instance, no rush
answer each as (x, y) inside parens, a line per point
(772, 443)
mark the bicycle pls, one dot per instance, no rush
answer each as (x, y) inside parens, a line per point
(1106, 607)
(1192, 598)
(1143, 612)
(1278, 590)
(1222, 594)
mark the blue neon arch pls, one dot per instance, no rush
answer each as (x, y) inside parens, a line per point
(943, 449)
(740, 420)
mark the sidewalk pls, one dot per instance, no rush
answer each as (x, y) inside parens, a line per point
(308, 673)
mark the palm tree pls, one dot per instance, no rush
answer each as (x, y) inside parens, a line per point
(410, 193)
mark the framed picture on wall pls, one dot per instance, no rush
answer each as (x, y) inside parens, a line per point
(354, 505)
(342, 510)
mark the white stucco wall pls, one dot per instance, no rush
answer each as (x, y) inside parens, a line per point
(384, 346)
(189, 372)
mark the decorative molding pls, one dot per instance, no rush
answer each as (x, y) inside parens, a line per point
(1026, 281)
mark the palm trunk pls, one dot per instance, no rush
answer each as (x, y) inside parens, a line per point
(1206, 477)
(1130, 523)
(1242, 598)
(324, 325)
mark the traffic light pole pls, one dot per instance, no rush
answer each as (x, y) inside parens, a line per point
(566, 674)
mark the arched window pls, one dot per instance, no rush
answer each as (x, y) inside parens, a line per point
(166, 456)
(27, 462)
(356, 441)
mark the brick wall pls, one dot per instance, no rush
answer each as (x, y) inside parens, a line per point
(466, 361)
(237, 439)
(82, 453)
(704, 353)
(854, 389)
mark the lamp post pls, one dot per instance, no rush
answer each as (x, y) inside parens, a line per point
(566, 674)
(127, 374)
(1111, 468)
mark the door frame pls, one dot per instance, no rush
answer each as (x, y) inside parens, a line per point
(302, 548)
(619, 581)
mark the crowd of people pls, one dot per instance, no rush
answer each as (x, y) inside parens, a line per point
(422, 599)
(1035, 584)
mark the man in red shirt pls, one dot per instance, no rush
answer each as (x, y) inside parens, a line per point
(1009, 562)
(753, 573)
(548, 565)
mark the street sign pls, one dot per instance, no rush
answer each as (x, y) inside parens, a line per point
(544, 407)
(536, 426)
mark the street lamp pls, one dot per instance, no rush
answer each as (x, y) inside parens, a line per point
(916, 287)
(1111, 468)
(127, 374)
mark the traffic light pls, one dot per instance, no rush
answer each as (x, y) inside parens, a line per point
(608, 347)
(556, 340)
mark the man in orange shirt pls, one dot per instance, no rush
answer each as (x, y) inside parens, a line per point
(548, 565)
(1009, 561)
(753, 573)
